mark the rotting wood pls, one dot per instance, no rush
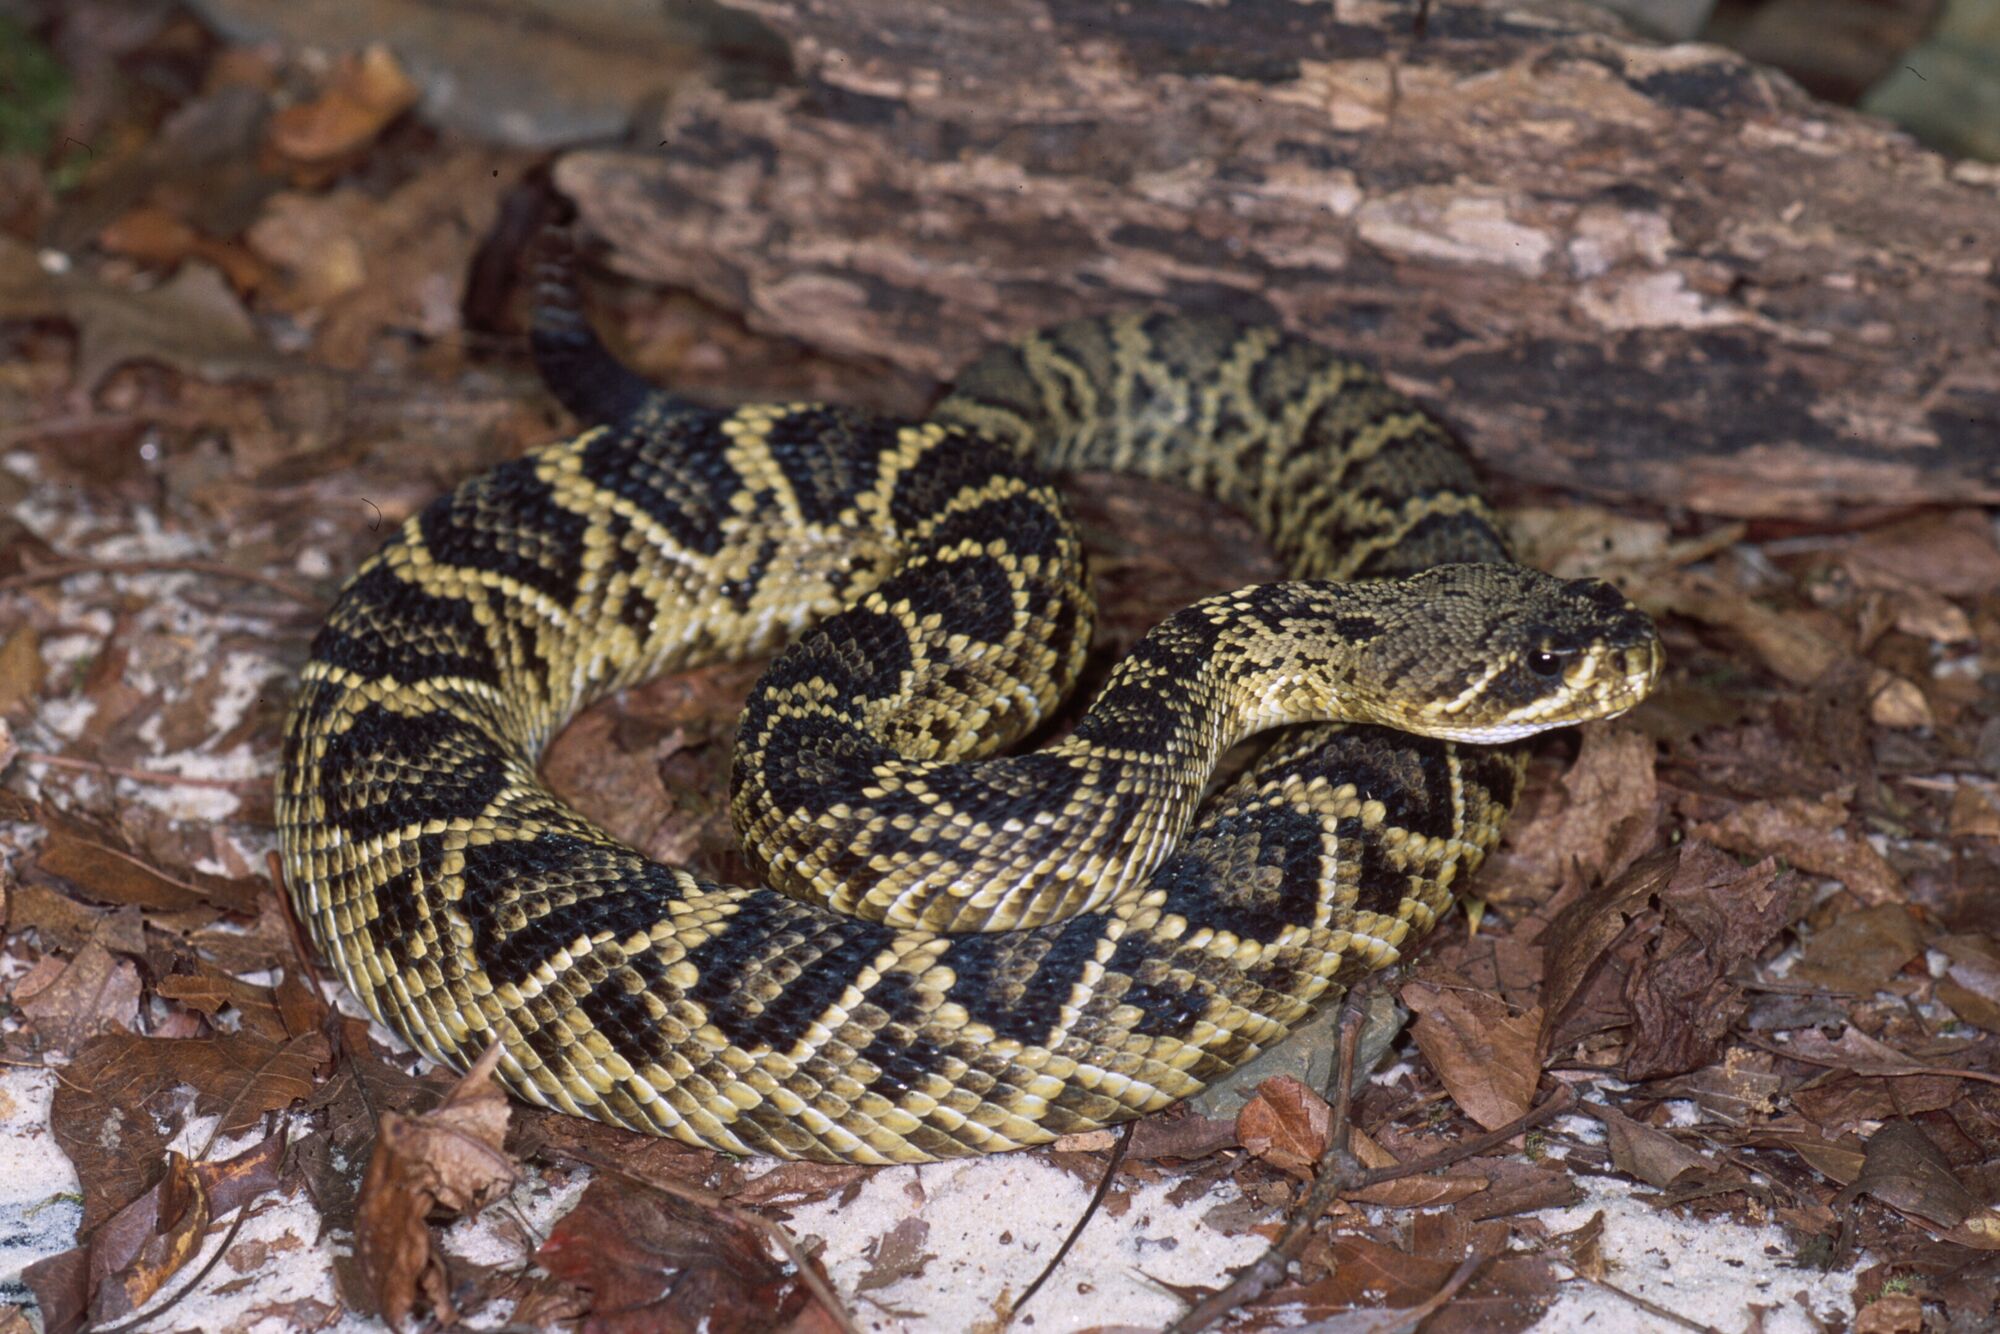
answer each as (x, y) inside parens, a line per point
(1624, 269)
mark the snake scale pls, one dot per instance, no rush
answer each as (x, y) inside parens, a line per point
(952, 954)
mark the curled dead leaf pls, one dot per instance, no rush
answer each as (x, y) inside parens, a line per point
(1286, 1125)
(647, 1260)
(1483, 1052)
(1813, 835)
(366, 92)
(451, 1158)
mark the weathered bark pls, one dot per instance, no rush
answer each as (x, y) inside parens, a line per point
(1626, 269)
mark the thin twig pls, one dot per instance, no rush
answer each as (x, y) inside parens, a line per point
(1336, 1170)
(1076, 1230)
(821, 1290)
(142, 1317)
(1650, 1308)
(213, 568)
(1413, 1316)
(84, 423)
(1266, 1272)
(160, 776)
(1876, 1069)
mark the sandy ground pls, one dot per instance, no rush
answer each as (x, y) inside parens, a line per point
(993, 1223)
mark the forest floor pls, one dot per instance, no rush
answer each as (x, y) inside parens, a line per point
(1752, 930)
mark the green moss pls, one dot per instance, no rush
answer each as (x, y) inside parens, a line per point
(33, 92)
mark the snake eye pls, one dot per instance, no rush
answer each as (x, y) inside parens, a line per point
(1544, 663)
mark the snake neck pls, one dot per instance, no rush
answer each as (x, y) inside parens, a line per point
(1003, 844)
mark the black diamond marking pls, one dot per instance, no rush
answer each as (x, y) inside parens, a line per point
(1492, 768)
(1018, 788)
(901, 1050)
(618, 1007)
(828, 954)
(955, 465)
(1409, 775)
(972, 595)
(398, 919)
(1250, 873)
(1030, 526)
(1019, 981)
(388, 771)
(1170, 1007)
(1379, 883)
(1437, 539)
(678, 473)
(526, 899)
(809, 763)
(383, 626)
(507, 522)
(828, 455)
(861, 654)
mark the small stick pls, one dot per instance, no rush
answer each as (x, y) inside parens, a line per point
(1651, 1308)
(1337, 1168)
(1076, 1230)
(49, 574)
(137, 775)
(1339, 1171)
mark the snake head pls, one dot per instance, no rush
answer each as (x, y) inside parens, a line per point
(1492, 653)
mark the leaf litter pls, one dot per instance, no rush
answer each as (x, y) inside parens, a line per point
(1752, 926)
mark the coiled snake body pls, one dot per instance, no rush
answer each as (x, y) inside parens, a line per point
(1113, 942)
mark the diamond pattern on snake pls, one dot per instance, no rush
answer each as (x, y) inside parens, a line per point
(951, 948)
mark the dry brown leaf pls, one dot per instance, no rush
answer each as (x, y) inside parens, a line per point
(58, 920)
(241, 1076)
(123, 1263)
(1952, 554)
(796, 1183)
(1897, 701)
(1483, 1052)
(1584, 1246)
(159, 237)
(365, 93)
(1813, 835)
(362, 264)
(193, 322)
(208, 990)
(1285, 1124)
(100, 1121)
(1686, 994)
(1611, 782)
(106, 868)
(1971, 986)
(1183, 1137)
(1638, 1150)
(1368, 1274)
(452, 1158)
(1860, 950)
(1574, 541)
(1794, 646)
(1905, 1171)
(1420, 1190)
(96, 991)
(1891, 1313)
(100, 1116)
(61, 1284)
(1975, 811)
(146, 1243)
(1657, 953)
(650, 1261)
(21, 669)
(895, 1255)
